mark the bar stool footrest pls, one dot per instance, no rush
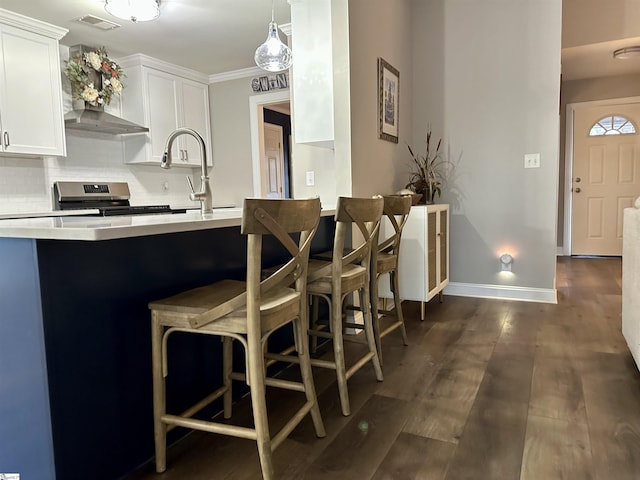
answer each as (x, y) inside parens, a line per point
(212, 427)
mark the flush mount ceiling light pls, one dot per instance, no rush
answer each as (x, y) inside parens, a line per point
(134, 10)
(627, 52)
(273, 55)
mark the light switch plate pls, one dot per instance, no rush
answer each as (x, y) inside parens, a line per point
(311, 179)
(532, 160)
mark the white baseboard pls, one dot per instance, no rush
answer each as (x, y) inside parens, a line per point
(504, 292)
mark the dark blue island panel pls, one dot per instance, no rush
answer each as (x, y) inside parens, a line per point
(96, 327)
(25, 428)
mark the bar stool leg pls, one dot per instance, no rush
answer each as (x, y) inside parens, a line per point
(301, 327)
(314, 301)
(368, 330)
(227, 368)
(255, 374)
(375, 316)
(335, 316)
(398, 304)
(159, 401)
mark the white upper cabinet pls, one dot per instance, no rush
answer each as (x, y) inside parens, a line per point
(31, 115)
(156, 95)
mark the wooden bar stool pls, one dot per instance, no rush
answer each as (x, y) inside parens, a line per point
(346, 273)
(384, 259)
(247, 312)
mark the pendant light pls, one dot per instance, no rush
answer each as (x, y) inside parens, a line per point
(134, 10)
(273, 55)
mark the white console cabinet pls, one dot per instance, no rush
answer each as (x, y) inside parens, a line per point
(165, 97)
(31, 114)
(424, 254)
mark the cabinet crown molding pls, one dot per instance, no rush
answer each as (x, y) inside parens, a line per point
(31, 24)
(140, 59)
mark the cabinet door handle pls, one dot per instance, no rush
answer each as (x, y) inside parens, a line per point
(6, 139)
(186, 155)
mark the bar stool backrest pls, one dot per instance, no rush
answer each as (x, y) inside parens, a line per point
(396, 209)
(279, 218)
(366, 214)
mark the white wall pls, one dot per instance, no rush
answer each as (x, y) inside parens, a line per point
(497, 71)
(330, 163)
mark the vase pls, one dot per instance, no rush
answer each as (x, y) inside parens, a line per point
(427, 196)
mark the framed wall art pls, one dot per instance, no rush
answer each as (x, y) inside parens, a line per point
(388, 101)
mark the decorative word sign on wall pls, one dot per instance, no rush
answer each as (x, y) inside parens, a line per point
(266, 83)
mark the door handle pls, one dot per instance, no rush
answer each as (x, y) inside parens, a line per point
(577, 190)
(6, 139)
(578, 179)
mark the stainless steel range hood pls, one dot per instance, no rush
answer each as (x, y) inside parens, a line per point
(92, 119)
(88, 118)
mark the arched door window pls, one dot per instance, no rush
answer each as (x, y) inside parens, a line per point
(612, 125)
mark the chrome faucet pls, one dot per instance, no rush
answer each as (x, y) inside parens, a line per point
(204, 195)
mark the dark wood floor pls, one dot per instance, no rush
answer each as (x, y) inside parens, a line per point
(487, 389)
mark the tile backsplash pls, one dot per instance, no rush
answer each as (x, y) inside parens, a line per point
(26, 183)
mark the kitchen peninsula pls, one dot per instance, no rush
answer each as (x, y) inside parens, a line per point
(75, 349)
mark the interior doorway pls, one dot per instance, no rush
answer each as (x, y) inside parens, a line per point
(602, 174)
(273, 167)
(270, 173)
(277, 154)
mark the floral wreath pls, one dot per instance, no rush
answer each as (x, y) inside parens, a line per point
(80, 66)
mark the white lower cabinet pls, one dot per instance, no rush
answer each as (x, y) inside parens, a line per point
(164, 101)
(424, 254)
(31, 112)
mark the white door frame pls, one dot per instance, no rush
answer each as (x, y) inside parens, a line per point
(568, 159)
(257, 144)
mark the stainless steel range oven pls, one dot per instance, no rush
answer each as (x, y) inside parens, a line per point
(109, 198)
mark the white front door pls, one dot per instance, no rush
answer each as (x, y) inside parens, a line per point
(606, 179)
(273, 165)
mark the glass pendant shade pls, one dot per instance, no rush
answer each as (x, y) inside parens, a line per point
(134, 10)
(273, 55)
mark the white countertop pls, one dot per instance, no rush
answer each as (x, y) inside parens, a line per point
(95, 228)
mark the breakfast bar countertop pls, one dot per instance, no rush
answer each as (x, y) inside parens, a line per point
(95, 228)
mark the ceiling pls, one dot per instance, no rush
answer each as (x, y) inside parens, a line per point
(596, 60)
(210, 36)
(217, 36)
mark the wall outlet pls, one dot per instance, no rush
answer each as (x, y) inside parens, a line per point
(532, 160)
(311, 179)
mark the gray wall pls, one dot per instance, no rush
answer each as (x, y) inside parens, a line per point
(492, 72)
(486, 77)
(379, 28)
(232, 172)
